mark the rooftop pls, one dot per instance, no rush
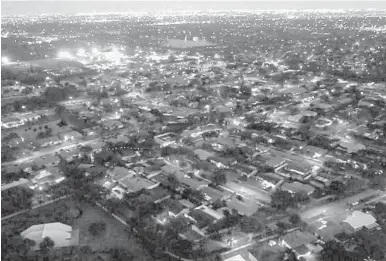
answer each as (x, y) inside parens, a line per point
(62, 235)
(135, 183)
(359, 219)
(298, 238)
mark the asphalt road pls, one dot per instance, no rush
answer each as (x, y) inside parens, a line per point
(337, 211)
(302, 159)
(48, 152)
(249, 190)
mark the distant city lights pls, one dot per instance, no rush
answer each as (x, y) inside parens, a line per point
(81, 52)
(95, 51)
(65, 55)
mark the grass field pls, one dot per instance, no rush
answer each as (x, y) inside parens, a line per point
(115, 235)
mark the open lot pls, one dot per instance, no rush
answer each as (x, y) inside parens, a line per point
(250, 190)
(62, 211)
(115, 236)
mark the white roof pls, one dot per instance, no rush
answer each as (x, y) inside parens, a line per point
(58, 232)
(360, 219)
(235, 258)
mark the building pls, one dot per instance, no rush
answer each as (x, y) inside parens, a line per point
(112, 124)
(350, 147)
(213, 213)
(297, 238)
(242, 255)
(275, 162)
(358, 219)
(47, 176)
(165, 138)
(301, 243)
(297, 187)
(173, 208)
(47, 161)
(49, 141)
(62, 235)
(203, 154)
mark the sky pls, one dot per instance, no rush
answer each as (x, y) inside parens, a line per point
(31, 7)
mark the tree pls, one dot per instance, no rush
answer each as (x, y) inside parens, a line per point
(301, 197)
(219, 177)
(97, 228)
(179, 224)
(15, 199)
(380, 208)
(173, 182)
(196, 196)
(281, 199)
(333, 250)
(60, 111)
(218, 203)
(250, 225)
(295, 219)
(336, 187)
(120, 254)
(46, 245)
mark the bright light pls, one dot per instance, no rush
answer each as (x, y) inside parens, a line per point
(65, 55)
(81, 52)
(5, 60)
(95, 50)
(114, 55)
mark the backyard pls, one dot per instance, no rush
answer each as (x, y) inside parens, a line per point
(79, 215)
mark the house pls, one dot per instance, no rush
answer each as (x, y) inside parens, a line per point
(358, 219)
(297, 187)
(300, 242)
(49, 141)
(62, 235)
(296, 170)
(211, 212)
(89, 132)
(320, 182)
(173, 208)
(135, 183)
(165, 138)
(112, 124)
(350, 147)
(118, 173)
(269, 180)
(275, 162)
(202, 154)
(201, 218)
(47, 161)
(118, 192)
(193, 234)
(47, 176)
(313, 151)
(241, 255)
(215, 194)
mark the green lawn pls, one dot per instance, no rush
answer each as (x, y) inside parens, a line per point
(115, 235)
